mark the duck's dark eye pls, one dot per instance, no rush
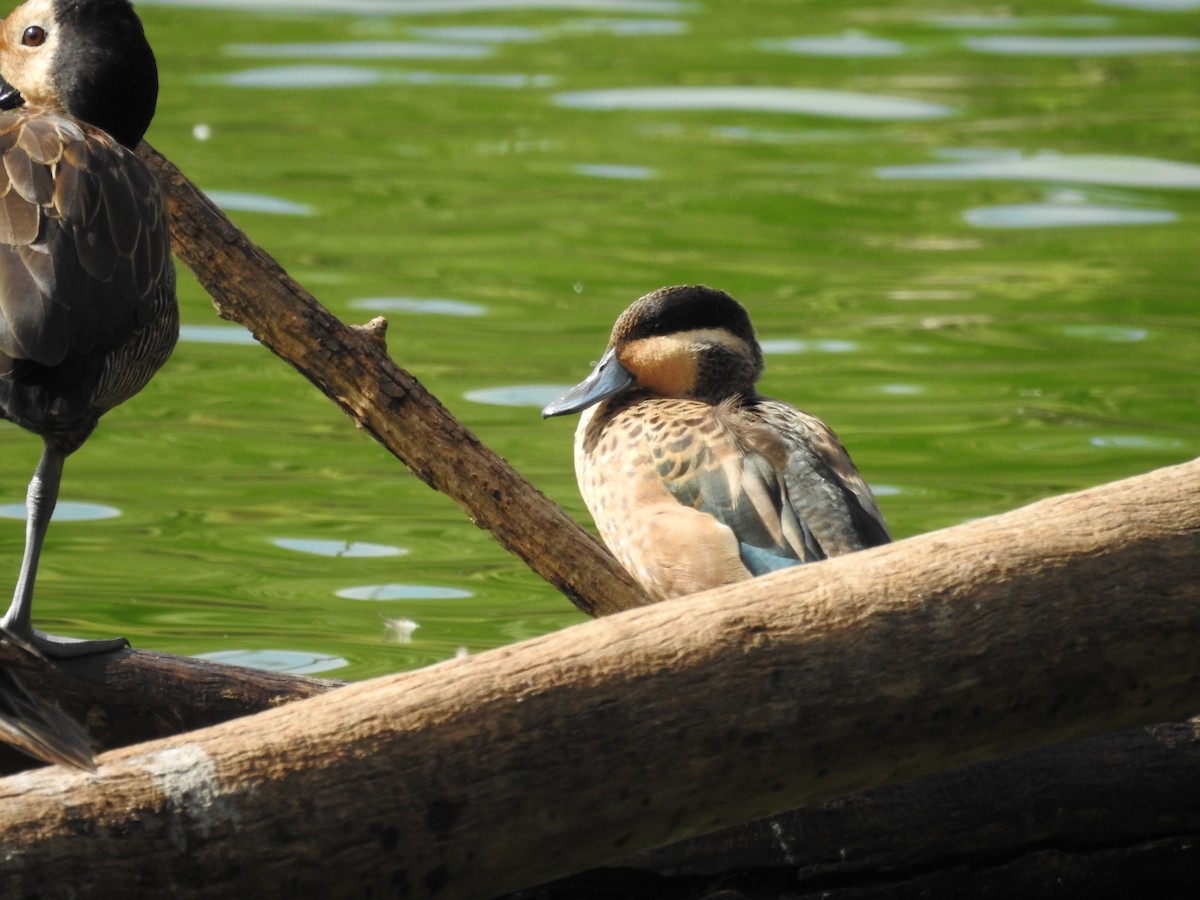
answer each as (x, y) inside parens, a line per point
(33, 36)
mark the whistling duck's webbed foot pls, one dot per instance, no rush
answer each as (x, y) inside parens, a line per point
(58, 647)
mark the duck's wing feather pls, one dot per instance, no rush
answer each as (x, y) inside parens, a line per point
(719, 461)
(83, 240)
(824, 486)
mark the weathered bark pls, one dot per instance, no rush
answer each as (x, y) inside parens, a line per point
(1059, 821)
(1072, 617)
(135, 695)
(350, 365)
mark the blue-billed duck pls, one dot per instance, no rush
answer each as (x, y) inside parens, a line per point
(87, 285)
(694, 478)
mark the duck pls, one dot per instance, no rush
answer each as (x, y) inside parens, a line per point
(694, 479)
(31, 724)
(88, 311)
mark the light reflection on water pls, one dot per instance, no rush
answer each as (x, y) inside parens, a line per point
(852, 44)
(1126, 171)
(65, 511)
(1115, 45)
(805, 101)
(293, 662)
(365, 50)
(1063, 215)
(331, 77)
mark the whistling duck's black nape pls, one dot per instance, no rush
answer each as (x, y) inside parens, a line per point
(105, 71)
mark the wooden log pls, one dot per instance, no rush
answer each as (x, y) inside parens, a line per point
(350, 365)
(132, 696)
(1071, 617)
(1058, 821)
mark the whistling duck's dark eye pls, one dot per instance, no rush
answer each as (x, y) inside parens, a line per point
(34, 36)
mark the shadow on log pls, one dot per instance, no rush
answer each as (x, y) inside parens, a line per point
(1069, 618)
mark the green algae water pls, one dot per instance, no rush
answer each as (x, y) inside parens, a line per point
(969, 241)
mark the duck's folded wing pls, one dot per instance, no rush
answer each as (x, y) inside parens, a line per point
(82, 239)
(826, 490)
(730, 468)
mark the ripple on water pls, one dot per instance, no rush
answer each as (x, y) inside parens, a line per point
(1125, 171)
(347, 549)
(482, 34)
(1063, 215)
(240, 201)
(852, 44)
(805, 101)
(1153, 5)
(625, 173)
(797, 345)
(1013, 22)
(365, 50)
(65, 511)
(1114, 45)
(311, 77)
(294, 662)
(426, 7)
(626, 27)
(1114, 334)
(535, 395)
(423, 305)
(216, 334)
(402, 592)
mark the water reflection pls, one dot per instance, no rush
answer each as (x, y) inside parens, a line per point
(402, 592)
(806, 101)
(240, 201)
(1134, 442)
(311, 76)
(1029, 45)
(65, 511)
(425, 7)
(1153, 5)
(422, 305)
(216, 334)
(365, 50)
(1063, 215)
(346, 549)
(1126, 171)
(796, 345)
(630, 173)
(1015, 22)
(1110, 333)
(294, 662)
(535, 395)
(486, 34)
(626, 27)
(851, 44)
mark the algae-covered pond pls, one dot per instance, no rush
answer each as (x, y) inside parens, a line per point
(969, 241)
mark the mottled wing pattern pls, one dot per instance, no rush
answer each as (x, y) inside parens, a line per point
(826, 490)
(84, 249)
(723, 462)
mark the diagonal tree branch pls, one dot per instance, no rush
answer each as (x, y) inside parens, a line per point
(350, 365)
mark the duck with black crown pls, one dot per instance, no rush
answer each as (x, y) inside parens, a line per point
(695, 479)
(87, 286)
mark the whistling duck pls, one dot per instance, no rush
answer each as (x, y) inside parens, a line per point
(87, 286)
(694, 478)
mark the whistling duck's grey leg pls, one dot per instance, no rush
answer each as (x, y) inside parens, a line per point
(39, 506)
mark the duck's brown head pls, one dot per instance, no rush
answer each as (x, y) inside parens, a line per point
(687, 341)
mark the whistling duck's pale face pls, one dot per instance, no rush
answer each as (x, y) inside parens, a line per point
(29, 41)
